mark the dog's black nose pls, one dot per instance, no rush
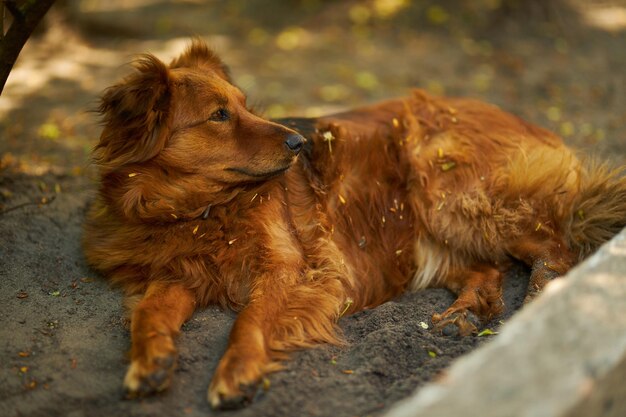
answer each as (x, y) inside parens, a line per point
(294, 142)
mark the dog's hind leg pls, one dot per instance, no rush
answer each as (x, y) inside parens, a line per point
(548, 258)
(479, 291)
(155, 322)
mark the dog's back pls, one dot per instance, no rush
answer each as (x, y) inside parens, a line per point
(425, 184)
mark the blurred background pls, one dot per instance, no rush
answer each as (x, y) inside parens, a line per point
(558, 63)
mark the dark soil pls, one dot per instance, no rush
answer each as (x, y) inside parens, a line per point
(62, 336)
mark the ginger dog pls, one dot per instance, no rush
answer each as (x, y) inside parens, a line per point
(292, 224)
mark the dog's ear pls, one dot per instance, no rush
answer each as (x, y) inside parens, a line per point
(134, 113)
(198, 55)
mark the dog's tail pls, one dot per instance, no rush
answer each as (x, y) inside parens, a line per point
(598, 210)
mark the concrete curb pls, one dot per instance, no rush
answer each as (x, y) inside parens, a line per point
(564, 355)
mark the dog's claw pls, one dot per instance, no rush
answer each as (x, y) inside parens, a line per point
(232, 403)
(244, 397)
(158, 378)
(450, 330)
(166, 362)
(461, 323)
(142, 381)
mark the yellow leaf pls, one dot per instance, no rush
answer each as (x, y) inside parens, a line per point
(291, 38)
(49, 131)
(359, 14)
(487, 332)
(266, 384)
(366, 80)
(437, 15)
(447, 166)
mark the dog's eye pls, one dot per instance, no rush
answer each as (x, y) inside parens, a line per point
(220, 115)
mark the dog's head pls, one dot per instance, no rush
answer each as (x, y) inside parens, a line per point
(187, 123)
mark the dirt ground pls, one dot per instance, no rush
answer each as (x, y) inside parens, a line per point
(62, 337)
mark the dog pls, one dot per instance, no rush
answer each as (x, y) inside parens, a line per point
(294, 223)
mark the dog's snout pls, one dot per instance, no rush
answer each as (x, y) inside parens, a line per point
(294, 142)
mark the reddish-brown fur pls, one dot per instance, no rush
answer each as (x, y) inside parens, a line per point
(196, 208)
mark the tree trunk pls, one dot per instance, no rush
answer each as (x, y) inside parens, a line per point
(26, 15)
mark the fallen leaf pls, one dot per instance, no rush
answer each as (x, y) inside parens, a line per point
(359, 14)
(437, 15)
(291, 38)
(447, 166)
(366, 80)
(487, 332)
(49, 131)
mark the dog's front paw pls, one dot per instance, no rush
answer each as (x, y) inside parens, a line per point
(236, 381)
(151, 371)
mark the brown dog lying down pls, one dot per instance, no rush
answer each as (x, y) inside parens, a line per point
(203, 202)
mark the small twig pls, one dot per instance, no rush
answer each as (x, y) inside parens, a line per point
(205, 213)
(348, 303)
(29, 203)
